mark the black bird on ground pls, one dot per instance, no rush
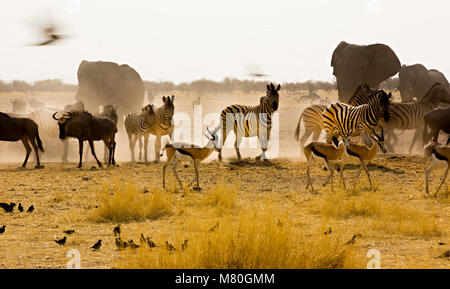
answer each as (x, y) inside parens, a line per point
(30, 209)
(150, 243)
(20, 208)
(352, 241)
(170, 247)
(69, 232)
(8, 207)
(2, 229)
(328, 232)
(133, 245)
(97, 245)
(214, 227)
(121, 244)
(62, 241)
(184, 245)
(142, 240)
(116, 230)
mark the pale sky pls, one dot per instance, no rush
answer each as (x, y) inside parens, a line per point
(184, 40)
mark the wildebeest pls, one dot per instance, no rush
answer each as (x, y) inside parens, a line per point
(437, 119)
(85, 127)
(25, 129)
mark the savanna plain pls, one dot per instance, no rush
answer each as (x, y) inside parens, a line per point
(249, 214)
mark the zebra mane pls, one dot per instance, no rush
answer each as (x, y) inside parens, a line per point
(363, 94)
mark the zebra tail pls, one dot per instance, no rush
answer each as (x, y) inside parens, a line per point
(297, 130)
(39, 142)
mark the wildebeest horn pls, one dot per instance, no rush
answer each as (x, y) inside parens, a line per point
(54, 117)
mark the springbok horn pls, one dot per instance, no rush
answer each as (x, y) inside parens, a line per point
(55, 117)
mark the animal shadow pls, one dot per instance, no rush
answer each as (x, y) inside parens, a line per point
(372, 167)
(251, 163)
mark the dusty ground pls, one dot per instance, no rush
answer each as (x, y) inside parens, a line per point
(397, 218)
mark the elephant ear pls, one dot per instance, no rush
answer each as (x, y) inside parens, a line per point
(337, 52)
(383, 63)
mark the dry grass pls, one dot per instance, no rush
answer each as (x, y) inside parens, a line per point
(256, 239)
(125, 203)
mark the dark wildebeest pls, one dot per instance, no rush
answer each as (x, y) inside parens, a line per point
(25, 129)
(437, 119)
(85, 127)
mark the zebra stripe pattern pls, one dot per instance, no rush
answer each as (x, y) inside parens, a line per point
(405, 116)
(346, 121)
(312, 115)
(249, 121)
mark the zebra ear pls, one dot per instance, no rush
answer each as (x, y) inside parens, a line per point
(172, 98)
(272, 86)
(164, 99)
(278, 87)
(268, 87)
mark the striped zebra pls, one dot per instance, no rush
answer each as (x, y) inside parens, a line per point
(250, 121)
(158, 124)
(48, 129)
(19, 105)
(407, 116)
(137, 125)
(312, 115)
(345, 121)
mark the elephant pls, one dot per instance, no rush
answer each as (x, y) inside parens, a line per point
(415, 80)
(102, 83)
(354, 65)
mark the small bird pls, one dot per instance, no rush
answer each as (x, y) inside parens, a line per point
(328, 232)
(69, 232)
(97, 245)
(50, 35)
(30, 209)
(62, 241)
(170, 247)
(133, 245)
(150, 243)
(2, 229)
(8, 208)
(214, 227)
(121, 244)
(116, 230)
(20, 207)
(352, 241)
(142, 240)
(184, 245)
(446, 254)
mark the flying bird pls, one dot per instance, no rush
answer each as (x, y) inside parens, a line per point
(50, 33)
(8, 208)
(254, 70)
(62, 241)
(97, 245)
(2, 229)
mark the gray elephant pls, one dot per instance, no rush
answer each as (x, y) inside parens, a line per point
(354, 65)
(415, 80)
(102, 83)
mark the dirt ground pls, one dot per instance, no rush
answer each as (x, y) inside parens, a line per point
(398, 219)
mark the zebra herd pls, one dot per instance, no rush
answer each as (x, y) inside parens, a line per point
(370, 115)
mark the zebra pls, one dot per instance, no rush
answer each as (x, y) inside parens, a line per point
(137, 125)
(406, 116)
(345, 121)
(162, 125)
(19, 105)
(312, 115)
(250, 121)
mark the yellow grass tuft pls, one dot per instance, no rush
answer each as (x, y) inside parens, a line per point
(223, 196)
(255, 239)
(124, 203)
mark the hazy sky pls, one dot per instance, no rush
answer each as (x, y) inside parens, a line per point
(184, 40)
